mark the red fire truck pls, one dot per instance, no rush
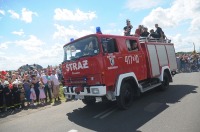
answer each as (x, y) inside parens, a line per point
(109, 67)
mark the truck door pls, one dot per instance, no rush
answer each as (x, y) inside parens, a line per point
(134, 59)
(112, 60)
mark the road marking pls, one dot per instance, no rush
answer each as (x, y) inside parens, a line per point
(73, 130)
(106, 112)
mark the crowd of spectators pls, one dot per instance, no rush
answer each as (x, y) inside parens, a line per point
(188, 62)
(28, 88)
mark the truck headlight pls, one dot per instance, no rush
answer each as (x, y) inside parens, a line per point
(95, 90)
(65, 89)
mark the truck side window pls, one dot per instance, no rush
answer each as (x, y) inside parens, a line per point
(132, 45)
(109, 45)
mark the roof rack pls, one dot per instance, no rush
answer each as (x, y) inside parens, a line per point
(147, 39)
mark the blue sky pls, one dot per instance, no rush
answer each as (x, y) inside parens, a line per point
(35, 31)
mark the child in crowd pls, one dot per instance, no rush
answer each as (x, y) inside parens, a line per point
(42, 95)
(32, 95)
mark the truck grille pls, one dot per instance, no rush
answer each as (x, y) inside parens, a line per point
(77, 81)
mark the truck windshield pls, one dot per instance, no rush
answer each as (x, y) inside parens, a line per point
(82, 48)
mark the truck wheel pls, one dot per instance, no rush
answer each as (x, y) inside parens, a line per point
(165, 82)
(88, 100)
(126, 96)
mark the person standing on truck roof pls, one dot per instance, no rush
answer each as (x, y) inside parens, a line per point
(138, 31)
(127, 28)
(159, 32)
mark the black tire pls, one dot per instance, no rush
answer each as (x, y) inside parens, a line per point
(125, 99)
(88, 100)
(165, 82)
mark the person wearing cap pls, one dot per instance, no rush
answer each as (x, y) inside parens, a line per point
(127, 28)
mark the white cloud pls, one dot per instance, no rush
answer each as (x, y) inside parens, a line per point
(65, 33)
(44, 56)
(53, 55)
(14, 14)
(31, 44)
(4, 45)
(78, 15)
(2, 58)
(6, 63)
(181, 10)
(27, 15)
(185, 44)
(53, 52)
(2, 12)
(195, 25)
(20, 32)
(142, 4)
(182, 13)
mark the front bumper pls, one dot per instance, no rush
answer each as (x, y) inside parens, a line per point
(87, 91)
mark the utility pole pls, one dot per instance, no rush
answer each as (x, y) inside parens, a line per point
(194, 48)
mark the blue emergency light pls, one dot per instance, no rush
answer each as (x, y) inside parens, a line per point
(98, 30)
(71, 39)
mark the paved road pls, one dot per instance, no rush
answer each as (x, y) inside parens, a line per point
(175, 110)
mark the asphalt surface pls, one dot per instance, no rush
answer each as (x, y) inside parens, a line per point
(175, 110)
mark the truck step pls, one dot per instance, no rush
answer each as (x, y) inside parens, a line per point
(148, 83)
(150, 87)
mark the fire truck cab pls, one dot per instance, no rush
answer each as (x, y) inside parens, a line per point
(110, 67)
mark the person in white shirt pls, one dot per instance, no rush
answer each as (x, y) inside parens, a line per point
(44, 79)
(56, 84)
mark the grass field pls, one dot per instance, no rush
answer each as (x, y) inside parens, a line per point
(61, 93)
